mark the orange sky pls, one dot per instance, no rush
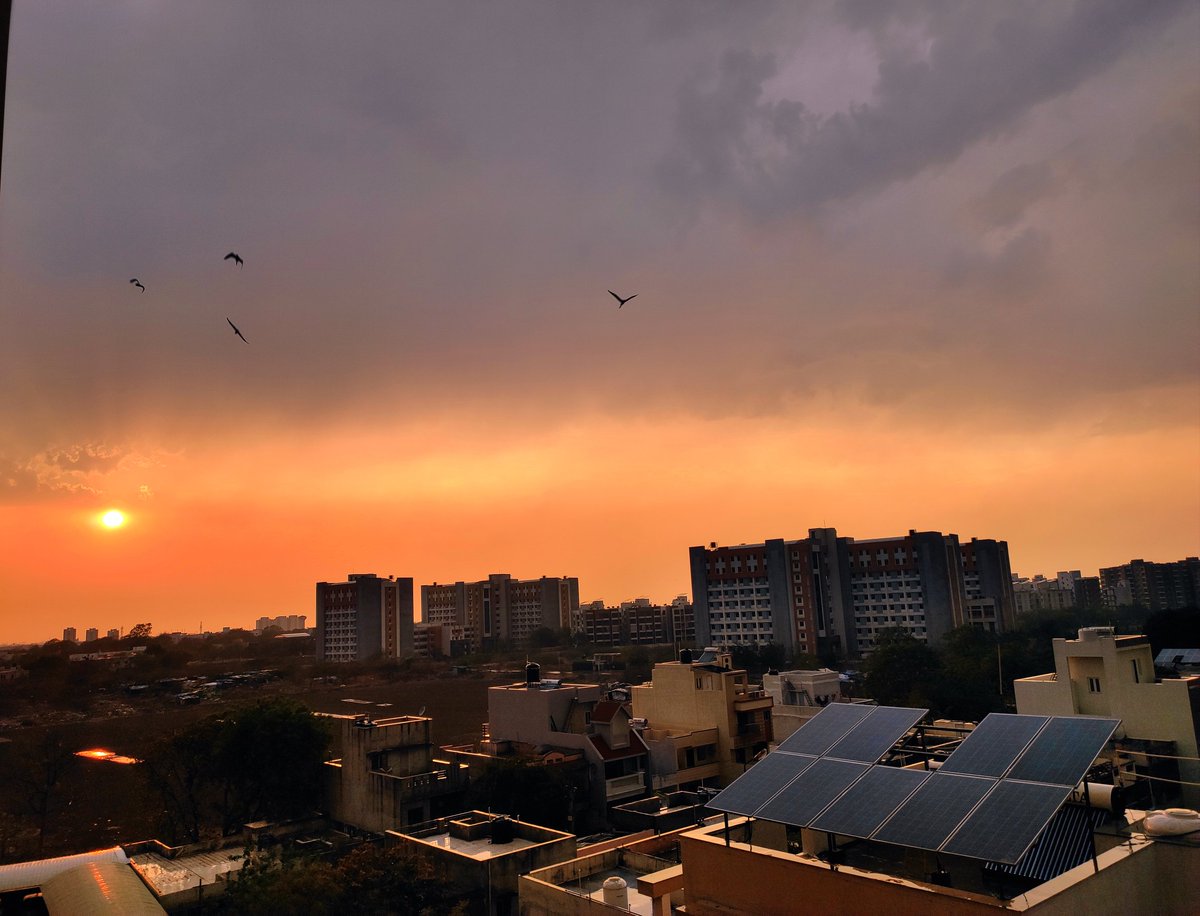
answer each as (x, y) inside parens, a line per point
(892, 272)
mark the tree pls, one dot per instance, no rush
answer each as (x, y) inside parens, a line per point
(528, 790)
(370, 880)
(970, 684)
(38, 770)
(140, 631)
(250, 763)
(544, 638)
(902, 671)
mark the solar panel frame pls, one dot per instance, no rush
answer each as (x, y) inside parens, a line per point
(994, 745)
(1006, 823)
(1063, 750)
(931, 814)
(826, 728)
(865, 805)
(758, 784)
(811, 792)
(877, 734)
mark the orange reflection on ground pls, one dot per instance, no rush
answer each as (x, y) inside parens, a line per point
(109, 756)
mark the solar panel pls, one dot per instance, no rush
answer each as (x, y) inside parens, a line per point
(824, 729)
(748, 792)
(1007, 822)
(1063, 750)
(1064, 843)
(806, 796)
(934, 811)
(867, 803)
(994, 744)
(875, 735)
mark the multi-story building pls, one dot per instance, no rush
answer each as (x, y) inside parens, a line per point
(364, 617)
(1101, 674)
(114, 633)
(69, 634)
(637, 622)
(91, 634)
(438, 640)
(501, 609)
(288, 623)
(829, 593)
(1154, 586)
(386, 773)
(1068, 589)
(702, 720)
(524, 718)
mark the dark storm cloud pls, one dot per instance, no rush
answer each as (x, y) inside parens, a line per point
(974, 73)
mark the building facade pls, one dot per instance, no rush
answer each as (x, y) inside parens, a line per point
(287, 623)
(826, 593)
(637, 622)
(702, 720)
(1101, 674)
(1154, 586)
(500, 609)
(364, 617)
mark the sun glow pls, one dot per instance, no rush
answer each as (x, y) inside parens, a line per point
(113, 519)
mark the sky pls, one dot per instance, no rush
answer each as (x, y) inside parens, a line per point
(898, 265)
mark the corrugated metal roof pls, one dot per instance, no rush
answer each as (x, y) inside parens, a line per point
(99, 887)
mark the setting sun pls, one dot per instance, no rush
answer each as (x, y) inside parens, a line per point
(113, 519)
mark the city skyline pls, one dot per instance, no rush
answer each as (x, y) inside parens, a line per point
(900, 267)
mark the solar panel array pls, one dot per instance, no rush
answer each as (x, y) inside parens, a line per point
(990, 800)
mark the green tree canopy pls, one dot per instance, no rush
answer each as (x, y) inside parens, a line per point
(249, 763)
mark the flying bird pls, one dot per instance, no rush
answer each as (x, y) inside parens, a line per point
(236, 331)
(619, 299)
(138, 283)
(237, 258)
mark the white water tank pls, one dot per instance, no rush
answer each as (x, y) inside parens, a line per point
(615, 892)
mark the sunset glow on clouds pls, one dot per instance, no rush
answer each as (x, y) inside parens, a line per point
(913, 266)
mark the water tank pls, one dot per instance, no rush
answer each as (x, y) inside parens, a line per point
(685, 656)
(502, 831)
(615, 892)
(533, 674)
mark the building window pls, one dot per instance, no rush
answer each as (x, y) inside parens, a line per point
(1093, 685)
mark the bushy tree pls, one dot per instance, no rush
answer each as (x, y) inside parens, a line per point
(249, 763)
(530, 791)
(902, 671)
(370, 880)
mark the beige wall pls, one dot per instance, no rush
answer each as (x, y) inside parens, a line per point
(1160, 711)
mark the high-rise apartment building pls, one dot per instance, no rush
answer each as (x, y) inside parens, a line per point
(91, 634)
(1154, 586)
(637, 622)
(114, 633)
(364, 617)
(501, 609)
(830, 593)
(287, 623)
(69, 634)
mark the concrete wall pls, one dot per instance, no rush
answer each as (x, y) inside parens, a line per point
(1145, 878)
(1160, 711)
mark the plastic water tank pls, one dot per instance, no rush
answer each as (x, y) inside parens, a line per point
(615, 892)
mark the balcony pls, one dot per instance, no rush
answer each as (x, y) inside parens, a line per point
(751, 700)
(625, 786)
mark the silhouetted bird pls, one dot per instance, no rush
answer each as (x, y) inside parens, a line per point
(619, 299)
(237, 258)
(236, 331)
(138, 283)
